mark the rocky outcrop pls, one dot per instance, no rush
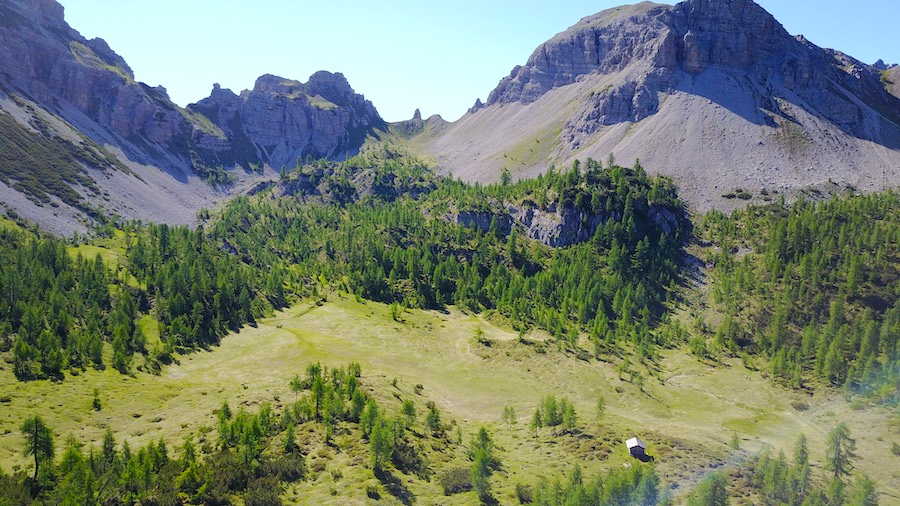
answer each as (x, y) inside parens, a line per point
(604, 43)
(280, 121)
(665, 45)
(82, 88)
(714, 93)
(47, 61)
(559, 227)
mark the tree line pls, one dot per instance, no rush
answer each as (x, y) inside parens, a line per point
(59, 311)
(814, 288)
(405, 248)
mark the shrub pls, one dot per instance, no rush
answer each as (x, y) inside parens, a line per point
(373, 491)
(263, 492)
(524, 493)
(96, 404)
(289, 467)
(456, 480)
(482, 339)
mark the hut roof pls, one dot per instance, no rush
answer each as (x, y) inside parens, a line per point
(635, 442)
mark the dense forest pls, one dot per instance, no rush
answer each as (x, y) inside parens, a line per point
(58, 309)
(386, 229)
(597, 256)
(812, 287)
(401, 242)
(815, 287)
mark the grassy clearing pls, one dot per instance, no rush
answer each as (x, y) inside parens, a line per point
(112, 251)
(688, 411)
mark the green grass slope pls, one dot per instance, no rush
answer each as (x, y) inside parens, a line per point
(687, 411)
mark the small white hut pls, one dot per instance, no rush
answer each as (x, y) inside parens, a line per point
(636, 447)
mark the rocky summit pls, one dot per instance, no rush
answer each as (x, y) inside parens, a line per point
(713, 92)
(164, 162)
(281, 120)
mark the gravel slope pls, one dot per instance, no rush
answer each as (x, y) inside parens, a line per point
(708, 135)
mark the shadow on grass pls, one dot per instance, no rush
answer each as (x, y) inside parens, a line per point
(395, 487)
(489, 500)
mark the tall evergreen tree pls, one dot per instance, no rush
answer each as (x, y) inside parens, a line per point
(38, 442)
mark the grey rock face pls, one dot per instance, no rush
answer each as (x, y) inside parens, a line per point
(286, 119)
(734, 33)
(661, 46)
(88, 85)
(605, 43)
(555, 226)
(44, 59)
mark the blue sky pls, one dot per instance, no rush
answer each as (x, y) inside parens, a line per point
(401, 54)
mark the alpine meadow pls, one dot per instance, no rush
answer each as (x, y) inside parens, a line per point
(659, 264)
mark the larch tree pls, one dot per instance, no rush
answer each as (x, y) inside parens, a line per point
(38, 442)
(841, 451)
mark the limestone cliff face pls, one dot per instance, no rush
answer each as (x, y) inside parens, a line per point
(559, 227)
(88, 84)
(658, 47)
(65, 87)
(47, 61)
(714, 93)
(605, 43)
(283, 120)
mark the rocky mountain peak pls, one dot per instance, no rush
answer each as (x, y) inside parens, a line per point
(689, 36)
(48, 13)
(281, 120)
(726, 32)
(269, 83)
(330, 86)
(699, 89)
(603, 43)
(658, 44)
(83, 89)
(327, 86)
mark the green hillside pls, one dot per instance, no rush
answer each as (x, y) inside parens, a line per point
(378, 332)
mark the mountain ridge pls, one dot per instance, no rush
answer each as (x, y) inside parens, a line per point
(715, 94)
(180, 159)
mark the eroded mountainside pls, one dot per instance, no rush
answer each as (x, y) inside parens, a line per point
(74, 95)
(714, 93)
